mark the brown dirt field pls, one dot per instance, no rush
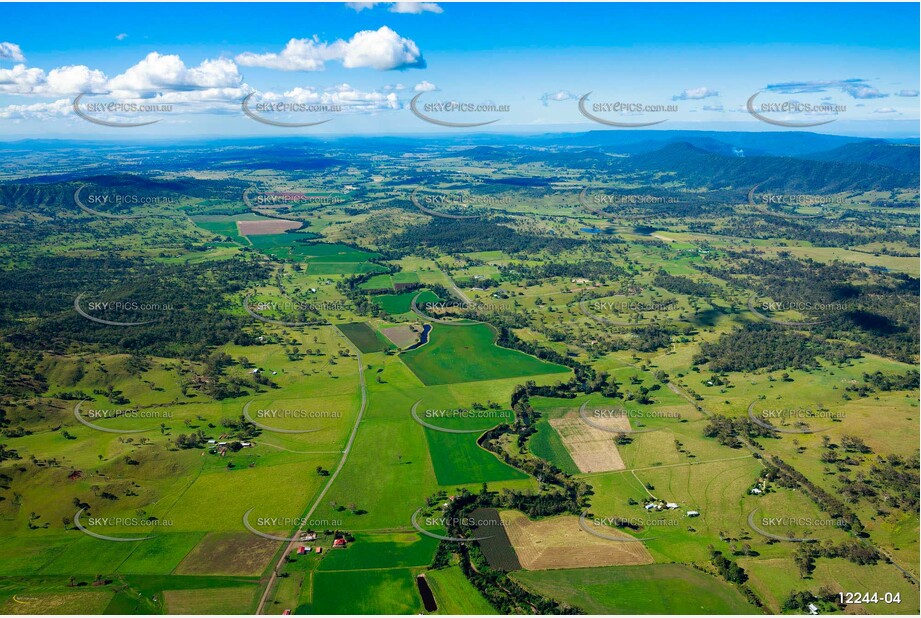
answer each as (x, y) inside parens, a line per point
(272, 226)
(559, 543)
(591, 449)
(234, 600)
(228, 553)
(402, 336)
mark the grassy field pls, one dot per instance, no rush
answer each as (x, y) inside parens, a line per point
(456, 457)
(648, 589)
(547, 445)
(775, 578)
(397, 304)
(389, 591)
(455, 595)
(459, 460)
(365, 337)
(382, 551)
(468, 354)
(201, 559)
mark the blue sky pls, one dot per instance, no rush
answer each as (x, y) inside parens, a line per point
(358, 67)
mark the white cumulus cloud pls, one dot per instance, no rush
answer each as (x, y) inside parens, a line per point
(381, 49)
(559, 95)
(415, 8)
(358, 7)
(344, 95)
(11, 51)
(695, 93)
(38, 111)
(410, 8)
(159, 72)
(21, 80)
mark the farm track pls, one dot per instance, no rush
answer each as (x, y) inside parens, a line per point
(287, 450)
(270, 585)
(643, 485)
(676, 465)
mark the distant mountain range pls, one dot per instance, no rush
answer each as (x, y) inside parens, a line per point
(902, 157)
(700, 168)
(778, 144)
(788, 161)
(799, 160)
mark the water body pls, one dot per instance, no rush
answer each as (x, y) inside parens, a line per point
(590, 230)
(423, 338)
(428, 599)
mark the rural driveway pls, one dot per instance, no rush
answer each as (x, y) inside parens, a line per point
(332, 478)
